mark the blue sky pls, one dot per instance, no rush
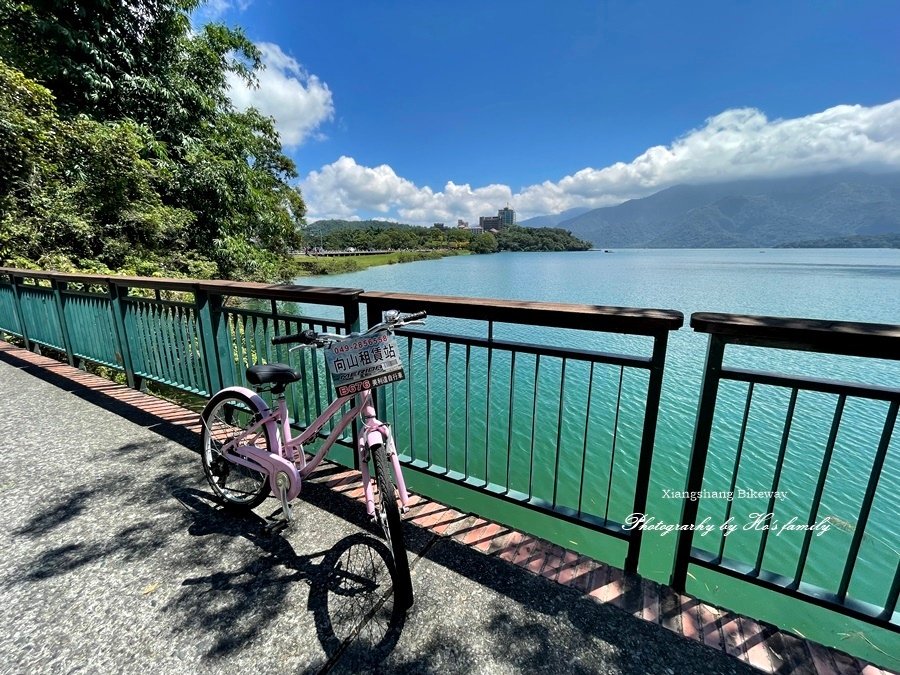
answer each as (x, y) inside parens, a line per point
(424, 111)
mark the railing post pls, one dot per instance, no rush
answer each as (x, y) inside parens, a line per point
(351, 316)
(123, 353)
(702, 431)
(648, 438)
(209, 314)
(17, 304)
(58, 287)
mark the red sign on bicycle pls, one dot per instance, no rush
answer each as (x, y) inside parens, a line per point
(364, 362)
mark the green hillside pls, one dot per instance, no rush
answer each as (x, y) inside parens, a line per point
(384, 235)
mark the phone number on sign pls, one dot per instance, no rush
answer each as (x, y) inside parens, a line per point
(360, 344)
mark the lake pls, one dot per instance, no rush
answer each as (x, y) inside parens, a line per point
(849, 285)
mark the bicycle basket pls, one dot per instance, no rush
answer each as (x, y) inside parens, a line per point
(364, 362)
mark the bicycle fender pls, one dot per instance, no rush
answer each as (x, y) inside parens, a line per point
(374, 438)
(255, 399)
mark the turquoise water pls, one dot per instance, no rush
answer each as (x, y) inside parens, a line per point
(852, 285)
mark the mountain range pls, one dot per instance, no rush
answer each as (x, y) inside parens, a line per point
(748, 213)
(555, 219)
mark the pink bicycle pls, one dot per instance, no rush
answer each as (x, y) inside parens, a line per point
(249, 451)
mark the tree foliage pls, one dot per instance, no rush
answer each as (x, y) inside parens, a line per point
(122, 152)
(539, 239)
(382, 235)
(483, 243)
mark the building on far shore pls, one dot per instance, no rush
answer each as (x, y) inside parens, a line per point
(506, 217)
(489, 222)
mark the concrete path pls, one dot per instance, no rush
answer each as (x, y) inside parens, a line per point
(115, 558)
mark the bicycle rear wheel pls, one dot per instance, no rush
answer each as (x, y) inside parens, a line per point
(388, 514)
(228, 416)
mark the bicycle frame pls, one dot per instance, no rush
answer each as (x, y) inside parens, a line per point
(281, 462)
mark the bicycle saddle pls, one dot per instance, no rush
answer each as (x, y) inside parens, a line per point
(272, 373)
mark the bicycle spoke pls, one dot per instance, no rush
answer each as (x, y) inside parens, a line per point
(223, 437)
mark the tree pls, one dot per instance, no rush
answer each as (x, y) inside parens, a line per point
(517, 238)
(436, 239)
(145, 96)
(483, 243)
(78, 190)
(458, 237)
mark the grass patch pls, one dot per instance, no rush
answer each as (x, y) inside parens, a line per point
(308, 265)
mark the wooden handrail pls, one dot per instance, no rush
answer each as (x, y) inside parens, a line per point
(588, 317)
(313, 294)
(874, 340)
(316, 294)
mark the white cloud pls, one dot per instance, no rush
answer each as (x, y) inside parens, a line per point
(214, 10)
(343, 188)
(739, 143)
(299, 102)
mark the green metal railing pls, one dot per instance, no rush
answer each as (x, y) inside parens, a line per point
(92, 331)
(861, 441)
(537, 425)
(197, 343)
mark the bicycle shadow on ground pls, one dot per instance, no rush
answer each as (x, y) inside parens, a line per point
(626, 643)
(350, 588)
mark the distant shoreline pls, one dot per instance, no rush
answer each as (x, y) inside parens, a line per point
(313, 266)
(777, 247)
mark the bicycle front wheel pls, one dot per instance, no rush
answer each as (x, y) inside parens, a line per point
(388, 515)
(229, 416)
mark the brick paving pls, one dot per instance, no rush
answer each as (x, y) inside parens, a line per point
(761, 646)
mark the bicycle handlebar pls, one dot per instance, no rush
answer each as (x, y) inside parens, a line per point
(310, 338)
(306, 337)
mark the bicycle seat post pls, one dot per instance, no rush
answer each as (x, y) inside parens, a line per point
(282, 417)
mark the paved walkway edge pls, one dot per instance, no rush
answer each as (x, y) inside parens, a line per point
(761, 645)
